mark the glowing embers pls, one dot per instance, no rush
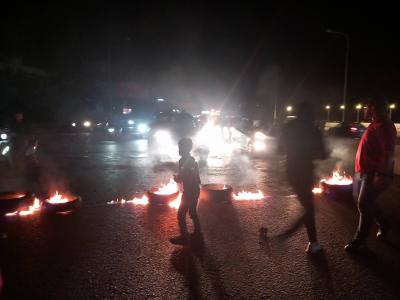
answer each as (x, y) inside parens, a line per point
(248, 196)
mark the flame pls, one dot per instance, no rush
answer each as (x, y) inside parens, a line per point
(338, 179)
(57, 199)
(317, 190)
(31, 209)
(243, 195)
(167, 189)
(177, 202)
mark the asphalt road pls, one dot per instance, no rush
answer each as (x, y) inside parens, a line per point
(122, 251)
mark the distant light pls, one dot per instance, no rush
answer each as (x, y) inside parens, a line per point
(87, 124)
(342, 107)
(353, 129)
(358, 106)
(131, 122)
(143, 128)
(160, 99)
(126, 110)
(259, 146)
(289, 108)
(5, 150)
(392, 106)
(73, 124)
(328, 107)
(4, 136)
(111, 130)
(259, 135)
(205, 112)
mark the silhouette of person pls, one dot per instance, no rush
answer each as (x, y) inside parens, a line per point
(374, 167)
(301, 142)
(189, 177)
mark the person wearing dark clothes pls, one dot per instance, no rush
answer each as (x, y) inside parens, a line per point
(189, 177)
(302, 143)
(374, 167)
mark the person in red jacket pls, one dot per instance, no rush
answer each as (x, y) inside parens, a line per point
(374, 168)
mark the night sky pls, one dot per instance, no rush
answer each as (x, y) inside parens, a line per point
(210, 54)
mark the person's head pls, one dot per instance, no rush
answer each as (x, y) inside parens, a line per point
(376, 108)
(305, 111)
(185, 146)
(19, 117)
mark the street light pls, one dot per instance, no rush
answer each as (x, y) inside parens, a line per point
(358, 108)
(346, 67)
(289, 108)
(328, 110)
(391, 107)
(342, 107)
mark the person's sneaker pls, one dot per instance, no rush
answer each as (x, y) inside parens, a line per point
(382, 232)
(313, 248)
(179, 240)
(355, 246)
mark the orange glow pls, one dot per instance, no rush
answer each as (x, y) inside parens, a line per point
(31, 210)
(167, 189)
(57, 199)
(177, 202)
(338, 179)
(317, 190)
(243, 195)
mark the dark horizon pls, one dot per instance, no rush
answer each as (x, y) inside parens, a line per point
(207, 54)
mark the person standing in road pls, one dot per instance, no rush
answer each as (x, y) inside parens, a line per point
(189, 177)
(302, 143)
(374, 167)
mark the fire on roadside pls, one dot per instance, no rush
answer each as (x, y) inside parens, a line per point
(243, 195)
(336, 179)
(35, 207)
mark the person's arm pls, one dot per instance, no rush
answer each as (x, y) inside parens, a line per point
(178, 177)
(321, 152)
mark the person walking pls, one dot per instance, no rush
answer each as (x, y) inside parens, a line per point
(189, 177)
(302, 143)
(374, 169)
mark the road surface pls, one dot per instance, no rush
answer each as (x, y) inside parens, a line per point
(122, 251)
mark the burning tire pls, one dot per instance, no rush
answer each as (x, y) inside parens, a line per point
(217, 192)
(161, 199)
(15, 201)
(69, 204)
(336, 191)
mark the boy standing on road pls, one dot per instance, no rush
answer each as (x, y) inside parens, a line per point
(189, 177)
(374, 169)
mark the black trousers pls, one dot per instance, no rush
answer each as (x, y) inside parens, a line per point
(302, 185)
(188, 204)
(367, 192)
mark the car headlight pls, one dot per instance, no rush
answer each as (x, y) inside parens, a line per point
(131, 122)
(259, 146)
(143, 128)
(259, 135)
(111, 130)
(162, 136)
(4, 136)
(87, 124)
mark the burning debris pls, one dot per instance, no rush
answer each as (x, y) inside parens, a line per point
(55, 203)
(336, 182)
(166, 194)
(243, 195)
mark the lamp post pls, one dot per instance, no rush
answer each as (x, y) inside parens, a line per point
(391, 107)
(328, 111)
(358, 108)
(346, 68)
